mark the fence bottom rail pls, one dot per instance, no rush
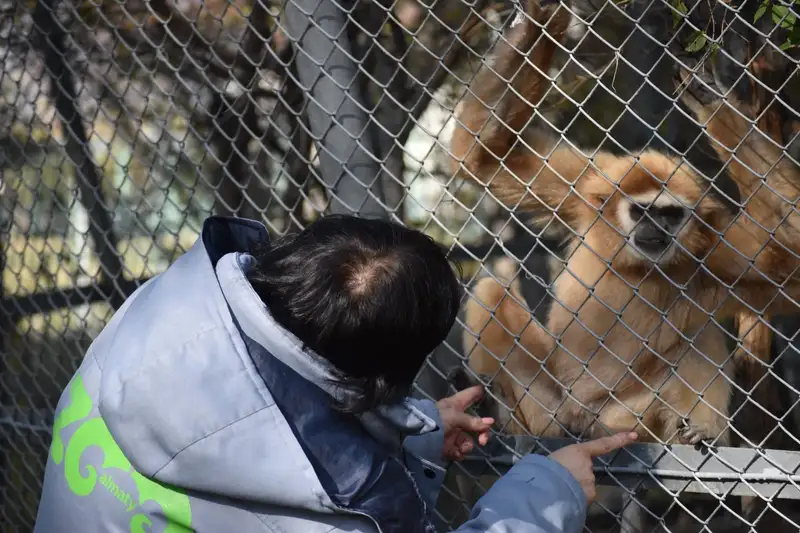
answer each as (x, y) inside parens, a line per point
(725, 471)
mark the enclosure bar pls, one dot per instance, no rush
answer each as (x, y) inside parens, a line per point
(17, 307)
(6, 326)
(723, 471)
(52, 42)
(339, 120)
(35, 420)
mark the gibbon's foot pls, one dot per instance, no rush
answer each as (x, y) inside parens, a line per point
(694, 433)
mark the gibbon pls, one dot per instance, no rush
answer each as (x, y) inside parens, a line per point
(768, 180)
(653, 258)
(769, 183)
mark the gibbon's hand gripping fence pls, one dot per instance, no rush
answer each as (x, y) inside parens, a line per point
(125, 123)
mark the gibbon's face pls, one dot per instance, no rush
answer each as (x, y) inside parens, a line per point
(651, 213)
(652, 223)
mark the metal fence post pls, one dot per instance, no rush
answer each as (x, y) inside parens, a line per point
(51, 41)
(338, 119)
(5, 329)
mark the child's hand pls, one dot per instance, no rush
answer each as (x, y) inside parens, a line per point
(577, 458)
(458, 425)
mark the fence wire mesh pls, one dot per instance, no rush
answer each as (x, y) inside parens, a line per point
(125, 123)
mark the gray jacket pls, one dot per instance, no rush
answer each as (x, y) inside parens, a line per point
(194, 411)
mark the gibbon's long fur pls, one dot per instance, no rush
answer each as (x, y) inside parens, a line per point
(630, 340)
(770, 201)
(768, 180)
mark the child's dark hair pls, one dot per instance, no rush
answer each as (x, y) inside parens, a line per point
(372, 297)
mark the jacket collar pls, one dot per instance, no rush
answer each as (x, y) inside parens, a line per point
(388, 424)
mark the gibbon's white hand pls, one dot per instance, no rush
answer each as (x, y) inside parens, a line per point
(458, 425)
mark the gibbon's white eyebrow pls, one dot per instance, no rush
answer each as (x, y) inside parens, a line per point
(660, 198)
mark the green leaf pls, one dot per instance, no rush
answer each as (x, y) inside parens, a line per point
(698, 43)
(783, 16)
(677, 18)
(794, 35)
(779, 10)
(760, 11)
(794, 38)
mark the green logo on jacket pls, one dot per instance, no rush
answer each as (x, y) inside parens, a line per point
(93, 432)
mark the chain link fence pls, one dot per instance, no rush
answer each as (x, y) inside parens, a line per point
(126, 122)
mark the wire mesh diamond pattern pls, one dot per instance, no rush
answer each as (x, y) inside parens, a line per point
(128, 122)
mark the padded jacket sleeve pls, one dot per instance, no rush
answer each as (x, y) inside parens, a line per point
(537, 495)
(423, 456)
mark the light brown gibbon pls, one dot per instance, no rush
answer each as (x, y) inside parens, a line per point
(630, 341)
(769, 183)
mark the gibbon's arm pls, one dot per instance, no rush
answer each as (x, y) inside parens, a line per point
(723, 300)
(768, 232)
(501, 98)
(737, 140)
(754, 160)
(498, 106)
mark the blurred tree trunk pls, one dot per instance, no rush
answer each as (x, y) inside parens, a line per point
(49, 37)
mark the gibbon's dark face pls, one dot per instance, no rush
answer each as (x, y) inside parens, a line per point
(650, 207)
(652, 222)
